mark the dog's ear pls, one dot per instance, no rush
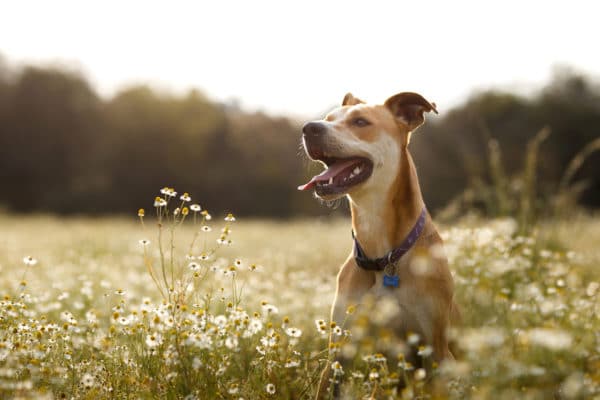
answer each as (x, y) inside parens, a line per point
(408, 108)
(350, 100)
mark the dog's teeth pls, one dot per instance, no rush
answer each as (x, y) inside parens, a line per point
(330, 181)
(351, 175)
(356, 171)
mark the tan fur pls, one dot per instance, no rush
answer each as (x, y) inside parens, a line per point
(384, 210)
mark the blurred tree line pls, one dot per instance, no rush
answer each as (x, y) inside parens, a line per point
(498, 148)
(64, 149)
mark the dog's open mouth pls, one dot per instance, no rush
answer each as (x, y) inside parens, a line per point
(341, 174)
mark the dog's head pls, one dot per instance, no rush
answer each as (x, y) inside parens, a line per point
(360, 145)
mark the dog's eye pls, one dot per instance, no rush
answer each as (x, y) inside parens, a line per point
(360, 122)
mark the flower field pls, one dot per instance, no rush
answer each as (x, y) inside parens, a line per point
(185, 305)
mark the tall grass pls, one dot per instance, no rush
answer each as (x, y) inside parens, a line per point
(519, 195)
(568, 192)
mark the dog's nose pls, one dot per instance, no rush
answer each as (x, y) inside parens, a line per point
(314, 129)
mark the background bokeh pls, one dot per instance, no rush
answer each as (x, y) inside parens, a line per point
(65, 149)
(102, 103)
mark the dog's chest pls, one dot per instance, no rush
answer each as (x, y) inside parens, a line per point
(404, 294)
(384, 286)
(393, 282)
(392, 307)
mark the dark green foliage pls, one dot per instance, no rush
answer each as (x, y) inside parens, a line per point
(454, 153)
(64, 149)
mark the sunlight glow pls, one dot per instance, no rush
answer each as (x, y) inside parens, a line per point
(301, 58)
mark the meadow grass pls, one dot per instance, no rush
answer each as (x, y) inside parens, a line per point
(95, 313)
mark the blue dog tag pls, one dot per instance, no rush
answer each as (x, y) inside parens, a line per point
(391, 281)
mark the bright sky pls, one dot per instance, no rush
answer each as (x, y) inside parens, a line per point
(301, 58)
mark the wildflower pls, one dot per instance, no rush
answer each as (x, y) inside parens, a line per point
(255, 325)
(186, 197)
(337, 369)
(553, 339)
(222, 240)
(270, 388)
(206, 215)
(413, 339)
(545, 253)
(144, 242)
(185, 211)
(229, 218)
(171, 192)
(425, 351)
(196, 363)
(231, 271)
(120, 292)
(176, 211)
(358, 375)
(195, 207)
(206, 228)
(233, 389)
(194, 266)
(153, 340)
(141, 212)
(293, 332)
(204, 256)
(165, 190)
(171, 376)
(337, 330)
(350, 310)
(374, 358)
(373, 375)
(291, 363)
(476, 340)
(592, 288)
(270, 309)
(30, 260)
(220, 321)
(159, 202)
(321, 326)
(270, 340)
(238, 262)
(420, 374)
(88, 381)
(405, 365)
(231, 342)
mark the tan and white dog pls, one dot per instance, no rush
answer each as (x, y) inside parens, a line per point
(365, 151)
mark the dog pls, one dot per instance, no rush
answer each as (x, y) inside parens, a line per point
(397, 252)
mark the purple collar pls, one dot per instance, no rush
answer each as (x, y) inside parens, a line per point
(394, 255)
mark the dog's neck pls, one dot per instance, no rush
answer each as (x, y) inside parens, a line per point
(382, 220)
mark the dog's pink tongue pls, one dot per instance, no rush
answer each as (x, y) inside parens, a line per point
(329, 173)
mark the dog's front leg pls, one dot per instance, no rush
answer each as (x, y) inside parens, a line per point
(352, 284)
